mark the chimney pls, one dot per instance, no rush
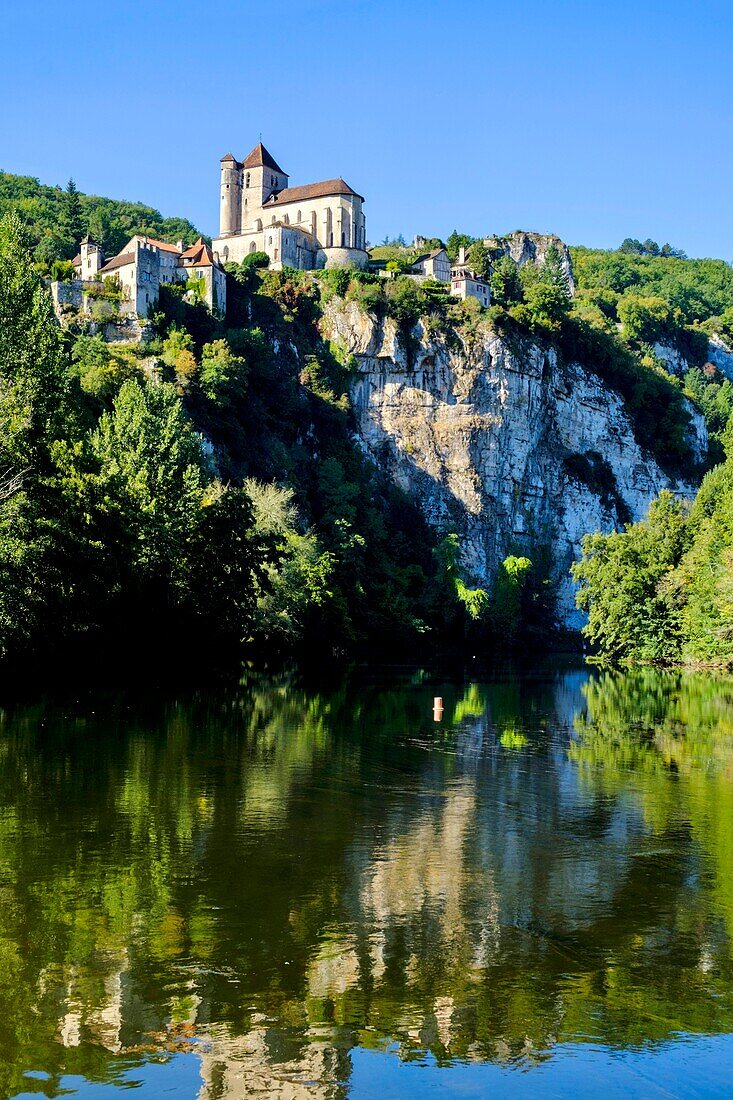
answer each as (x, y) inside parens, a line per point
(180, 246)
(461, 255)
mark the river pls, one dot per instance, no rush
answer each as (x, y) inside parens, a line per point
(280, 888)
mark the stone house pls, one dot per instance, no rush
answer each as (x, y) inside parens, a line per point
(466, 283)
(311, 226)
(433, 265)
(144, 263)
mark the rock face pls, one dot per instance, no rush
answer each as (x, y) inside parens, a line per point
(526, 248)
(721, 356)
(499, 442)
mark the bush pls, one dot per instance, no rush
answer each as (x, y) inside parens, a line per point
(62, 271)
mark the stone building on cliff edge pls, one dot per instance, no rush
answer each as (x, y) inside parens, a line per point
(138, 272)
(311, 226)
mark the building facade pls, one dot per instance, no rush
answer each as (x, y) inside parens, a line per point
(433, 265)
(465, 283)
(144, 264)
(311, 226)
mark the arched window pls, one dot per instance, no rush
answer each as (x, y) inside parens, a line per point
(253, 246)
(274, 219)
(299, 218)
(258, 224)
(286, 219)
(314, 223)
(329, 228)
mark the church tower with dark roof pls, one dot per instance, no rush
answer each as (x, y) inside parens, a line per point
(262, 176)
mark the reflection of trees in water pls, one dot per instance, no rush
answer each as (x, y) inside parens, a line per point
(279, 873)
(666, 741)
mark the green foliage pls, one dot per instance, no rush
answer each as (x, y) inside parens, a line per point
(663, 589)
(623, 578)
(62, 270)
(223, 374)
(57, 220)
(507, 599)
(633, 247)
(72, 218)
(645, 319)
(506, 286)
(296, 581)
(254, 261)
(99, 370)
(178, 352)
(455, 242)
(713, 393)
(699, 289)
(479, 260)
(546, 294)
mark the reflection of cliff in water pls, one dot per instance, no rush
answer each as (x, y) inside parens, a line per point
(273, 877)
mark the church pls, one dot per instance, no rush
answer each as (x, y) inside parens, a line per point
(311, 226)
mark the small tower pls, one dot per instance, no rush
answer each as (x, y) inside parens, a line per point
(91, 257)
(230, 206)
(261, 176)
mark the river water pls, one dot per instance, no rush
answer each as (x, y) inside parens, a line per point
(279, 889)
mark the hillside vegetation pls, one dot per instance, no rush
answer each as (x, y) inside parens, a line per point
(57, 219)
(662, 590)
(205, 489)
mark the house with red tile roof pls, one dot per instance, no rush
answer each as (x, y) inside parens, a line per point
(145, 263)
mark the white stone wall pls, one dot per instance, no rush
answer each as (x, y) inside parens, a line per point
(145, 275)
(470, 288)
(335, 222)
(230, 200)
(435, 267)
(215, 288)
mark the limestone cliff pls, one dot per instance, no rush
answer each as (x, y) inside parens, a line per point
(499, 441)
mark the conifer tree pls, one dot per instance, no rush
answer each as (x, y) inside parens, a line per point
(72, 218)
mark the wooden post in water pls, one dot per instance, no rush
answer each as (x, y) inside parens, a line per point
(437, 708)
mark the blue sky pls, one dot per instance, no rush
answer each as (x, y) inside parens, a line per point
(589, 119)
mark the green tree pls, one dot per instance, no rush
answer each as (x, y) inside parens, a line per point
(507, 610)
(456, 241)
(479, 259)
(72, 217)
(44, 562)
(506, 286)
(473, 601)
(222, 375)
(645, 319)
(625, 585)
(297, 577)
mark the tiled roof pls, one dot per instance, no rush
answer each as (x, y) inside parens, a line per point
(311, 191)
(122, 260)
(198, 255)
(260, 158)
(427, 256)
(229, 157)
(162, 245)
